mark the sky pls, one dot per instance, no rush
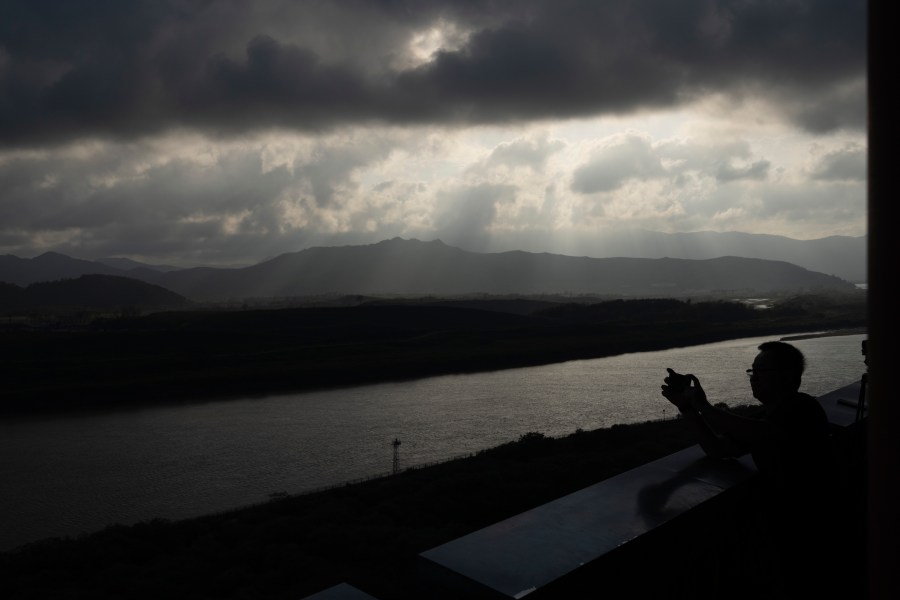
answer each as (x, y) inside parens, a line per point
(227, 132)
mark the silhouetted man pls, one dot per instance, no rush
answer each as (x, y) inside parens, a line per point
(792, 450)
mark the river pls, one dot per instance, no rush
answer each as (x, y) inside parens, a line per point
(63, 475)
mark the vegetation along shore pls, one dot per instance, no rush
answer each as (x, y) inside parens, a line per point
(367, 533)
(178, 356)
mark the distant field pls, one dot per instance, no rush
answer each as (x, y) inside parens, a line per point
(185, 355)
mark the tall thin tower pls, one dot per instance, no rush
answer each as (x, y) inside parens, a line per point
(396, 445)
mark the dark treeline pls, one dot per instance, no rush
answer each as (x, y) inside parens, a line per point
(88, 292)
(199, 354)
(656, 310)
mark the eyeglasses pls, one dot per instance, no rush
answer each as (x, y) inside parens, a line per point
(750, 372)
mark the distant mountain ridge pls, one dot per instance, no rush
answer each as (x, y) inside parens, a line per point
(843, 256)
(126, 264)
(50, 266)
(412, 267)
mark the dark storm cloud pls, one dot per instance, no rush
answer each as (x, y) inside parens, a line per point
(126, 68)
(845, 164)
(187, 200)
(755, 171)
(42, 194)
(331, 167)
(530, 153)
(631, 157)
(215, 209)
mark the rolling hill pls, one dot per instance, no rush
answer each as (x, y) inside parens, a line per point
(89, 291)
(412, 267)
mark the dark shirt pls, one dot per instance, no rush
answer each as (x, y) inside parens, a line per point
(796, 460)
(797, 485)
(789, 530)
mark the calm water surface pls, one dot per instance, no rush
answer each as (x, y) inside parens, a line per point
(66, 475)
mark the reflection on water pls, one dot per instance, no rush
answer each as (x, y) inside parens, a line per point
(64, 475)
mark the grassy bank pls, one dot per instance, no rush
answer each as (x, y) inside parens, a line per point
(368, 534)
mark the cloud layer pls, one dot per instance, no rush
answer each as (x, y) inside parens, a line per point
(227, 131)
(135, 67)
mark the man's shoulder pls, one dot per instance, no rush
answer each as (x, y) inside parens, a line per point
(805, 399)
(801, 407)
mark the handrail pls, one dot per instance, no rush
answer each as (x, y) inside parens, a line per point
(543, 546)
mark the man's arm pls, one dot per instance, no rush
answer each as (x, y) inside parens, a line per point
(742, 431)
(721, 434)
(713, 444)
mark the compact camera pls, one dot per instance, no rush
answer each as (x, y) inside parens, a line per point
(677, 382)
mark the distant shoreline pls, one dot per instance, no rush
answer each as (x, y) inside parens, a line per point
(832, 333)
(105, 398)
(187, 357)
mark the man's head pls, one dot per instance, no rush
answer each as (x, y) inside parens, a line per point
(777, 371)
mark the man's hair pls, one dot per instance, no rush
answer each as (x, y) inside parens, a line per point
(787, 357)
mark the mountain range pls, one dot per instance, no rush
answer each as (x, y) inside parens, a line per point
(412, 267)
(843, 256)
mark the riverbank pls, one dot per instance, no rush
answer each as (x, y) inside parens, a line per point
(190, 356)
(831, 333)
(148, 480)
(368, 533)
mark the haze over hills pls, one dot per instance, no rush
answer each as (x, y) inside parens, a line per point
(50, 266)
(842, 256)
(126, 264)
(412, 267)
